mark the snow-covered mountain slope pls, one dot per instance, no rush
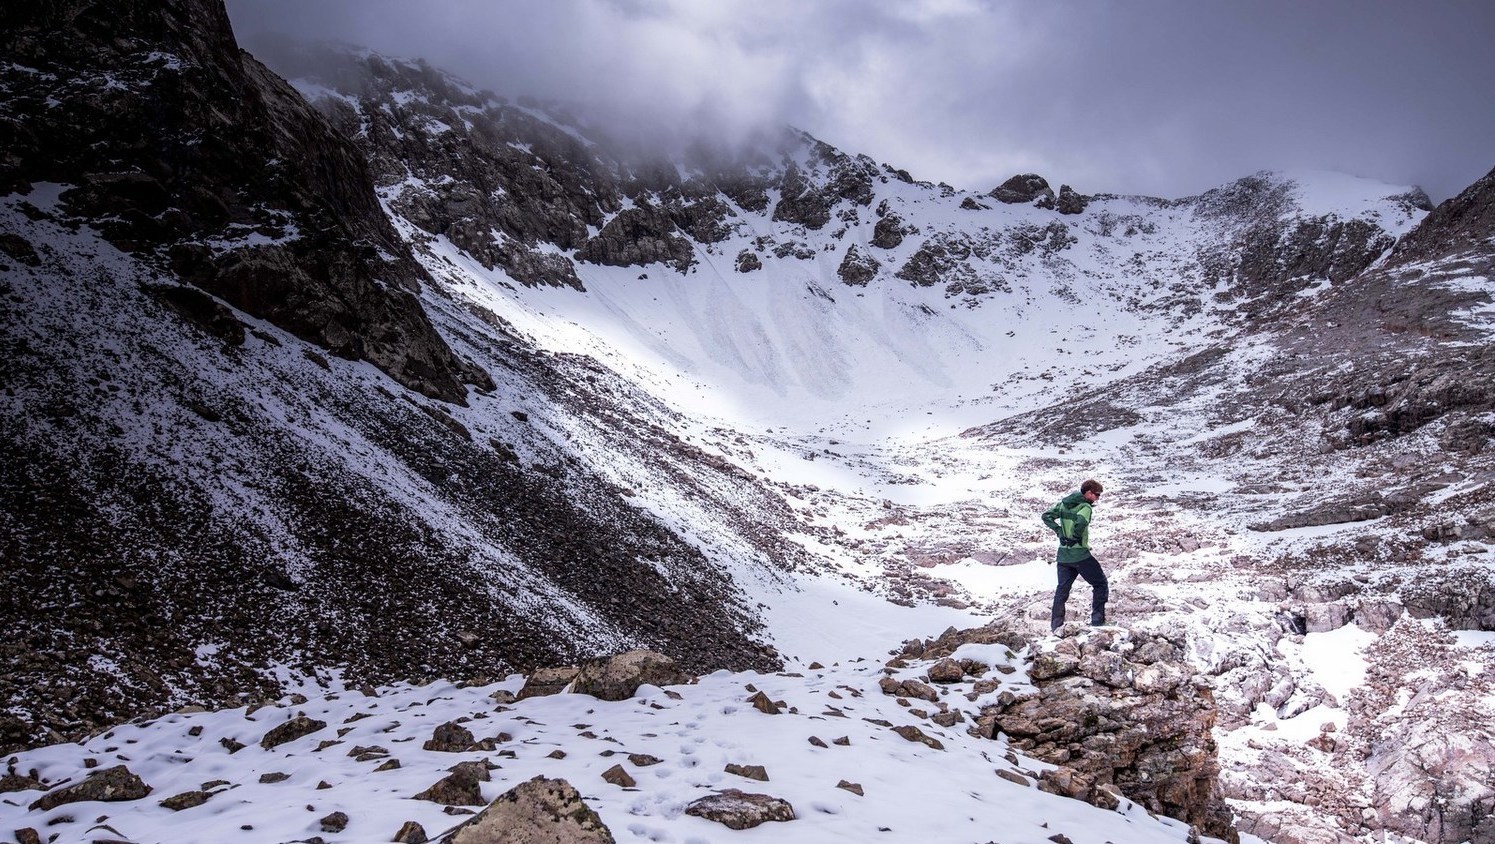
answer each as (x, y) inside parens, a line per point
(1260, 393)
(684, 401)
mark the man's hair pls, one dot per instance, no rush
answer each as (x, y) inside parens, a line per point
(1091, 486)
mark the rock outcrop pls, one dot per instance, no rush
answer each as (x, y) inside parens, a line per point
(1120, 711)
(1023, 188)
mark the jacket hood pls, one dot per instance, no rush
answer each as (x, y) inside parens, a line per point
(1074, 499)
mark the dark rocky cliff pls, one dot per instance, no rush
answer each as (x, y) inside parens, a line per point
(178, 146)
(197, 500)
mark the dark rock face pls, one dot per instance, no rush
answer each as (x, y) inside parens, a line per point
(205, 160)
(888, 232)
(1069, 201)
(748, 261)
(1023, 188)
(1454, 229)
(638, 236)
(857, 267)
(149, 491)
(807, 198)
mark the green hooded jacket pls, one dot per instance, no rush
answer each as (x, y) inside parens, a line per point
(1070, 519)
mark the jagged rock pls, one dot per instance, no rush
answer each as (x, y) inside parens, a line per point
(857, 267)
(937, 260)
(105, 785)
(328, 266)
(752, 772)
(643, 760)
(1022, 189)
(703, 218)
(804, 201)
(908, 688)
(1070, 202)
(741, 810)
(619, 677)
(548, 681)
(410, 833)
(1452, 228)
(636, 237)
(946, 671)
(460, 787)
(763, 703)
(888, 232)
(748, 261)
(535, 268)
(854, 788)
(291, 730)
(335, 822)
(618, 776)
(1464, 601)
(186, 800)
(539, 810)
(915, 734)
(1110, 718)
(450, 737)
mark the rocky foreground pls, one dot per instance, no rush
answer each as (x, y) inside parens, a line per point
(1104, 717)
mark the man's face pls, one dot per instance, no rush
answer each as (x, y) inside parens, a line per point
(1092, 496)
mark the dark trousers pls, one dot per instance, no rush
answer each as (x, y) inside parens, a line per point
(1089, 569)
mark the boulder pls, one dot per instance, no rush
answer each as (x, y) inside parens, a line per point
(946, 670)
(539, 811)
(619, 677)
(460, 787)
(748, 261)
(741, 810)
(105, 785)
(291, 730)
(450, 737)
(548, 681)
(411, 832)
(1023, 188)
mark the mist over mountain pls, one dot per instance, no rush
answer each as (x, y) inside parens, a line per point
(366, 376)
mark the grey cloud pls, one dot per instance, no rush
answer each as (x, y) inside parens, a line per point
(1163, 97)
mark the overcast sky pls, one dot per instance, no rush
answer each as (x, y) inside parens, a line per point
(1160, 97)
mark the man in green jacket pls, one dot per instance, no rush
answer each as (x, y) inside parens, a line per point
(1070, 519)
